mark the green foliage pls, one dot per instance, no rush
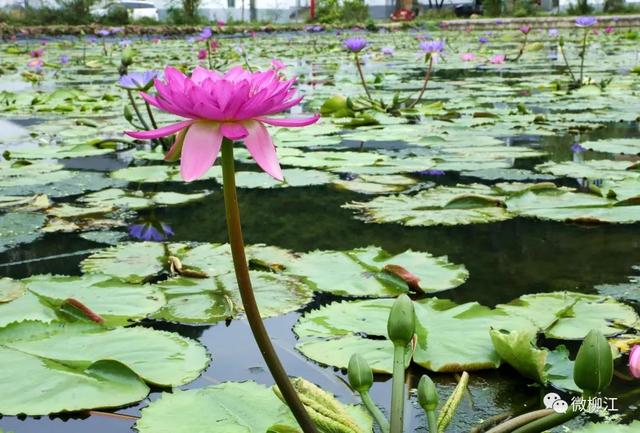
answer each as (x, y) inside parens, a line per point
(492, 8)
(582, 7)
(75, 11)
(525, 8)
(349, 11)
(117, 15)
(180, 16)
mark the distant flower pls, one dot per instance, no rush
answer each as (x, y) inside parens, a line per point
(125, 42)
(498, 22)
(64, 59)
(525, 29)
(432, 172)
(467, 57)
(432, 47)
(553, 33)
(36, 63)
(36, 53)
(206, 33)
(277, 64)
(103, 32)
(151, 231)
(155, 40)
(235, 105)
(214, 45)
(191, 40)
(595, 31)
(577, 148)
(355, 45)
(220, 23)
(314, 28)
(634, 361)
(202, 54)
(483, 39)
(138, 80)
(387, 51)
(608, 30)
(586, 21)
(498, 59)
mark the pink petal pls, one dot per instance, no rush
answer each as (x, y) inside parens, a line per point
(634, 361)
(201, 147)
(262, 149)
(160, 132)
(289, 122)
(234, 131)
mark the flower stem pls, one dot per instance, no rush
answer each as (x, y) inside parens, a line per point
(582, 54)
(150, 113)
(137, 111)
(566, 62)
(427, 75)
(547, 422)
(251, 310)
(362, 80)
(522, 47)
(375, 412)
(397, 390)
(432, 421)
(513, 423)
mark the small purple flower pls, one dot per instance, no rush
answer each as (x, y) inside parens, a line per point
(432, 47)
(483, 39)
(103, 32)
(586, 21)
(64, 59)
(553, 33)
(498, 22)
(525, 29)
(432, 172)
(138, 80)
(387, 51)
(577, 148)
(206, 33)
(355, 45)
(125, 42)
(314, 28)
(151, 231)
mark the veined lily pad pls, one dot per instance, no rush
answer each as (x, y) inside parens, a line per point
(19, 228)
(132, 262)
(161, 358)
(628, 146)
(592, 169)
(371, 271)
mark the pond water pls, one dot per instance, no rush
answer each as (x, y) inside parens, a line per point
(505, 259)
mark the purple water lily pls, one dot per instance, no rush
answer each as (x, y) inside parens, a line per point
(138, 80)
(103, 32)
(553, 33)
(387, 51)
(151, 231)
(432, 47)
(483, 39)
(577, 148)
(206, 33)
(586, 21)
(64, 59)
(432, 172)
(355, 45)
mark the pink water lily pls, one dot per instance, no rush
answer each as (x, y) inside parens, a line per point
(235, 105)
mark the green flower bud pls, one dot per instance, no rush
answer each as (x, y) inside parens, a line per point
(561, 41)
(127, 56)
(593, 369)
(402, 321)
(359, 373)
(127, 113)
(427, 394)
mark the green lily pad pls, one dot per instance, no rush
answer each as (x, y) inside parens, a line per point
(609, 428)
(627, 146)
(132, 262)
(19, 228)
(361, 272)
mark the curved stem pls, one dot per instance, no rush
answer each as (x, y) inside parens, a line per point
(521, 52)
(137, 111)
(427, 75)
(375, 412)
(432, 421)
(547, 422)
(566, 62)
(519, 421)
(397, 390)
(251, 310)
(150, 113)
(362, 80)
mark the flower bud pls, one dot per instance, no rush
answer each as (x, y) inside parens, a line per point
(427, 394)
(127, 113)
(402, 321)
(359, 373)
(593, 369)
(561, 41)
(634, 361)
(127, 56)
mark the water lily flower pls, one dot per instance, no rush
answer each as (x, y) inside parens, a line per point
(483, 39)
(138, 80)
(220, 23)
(235, 105)
(214, 45)
(277, 64)
(36, 63)
(525, 29)
(498, 59)
(553, 33)
(608, 30)
(586, 21)
(634, 361)
(64, 59)
(467, 57)
(206, 33)
(432, 172)
(36, 53)
(150, 231)
(125, 42)
(355, 45)
(577, 148)
(387, 51)
(103, 32)
(202, 54)
(432, 47)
